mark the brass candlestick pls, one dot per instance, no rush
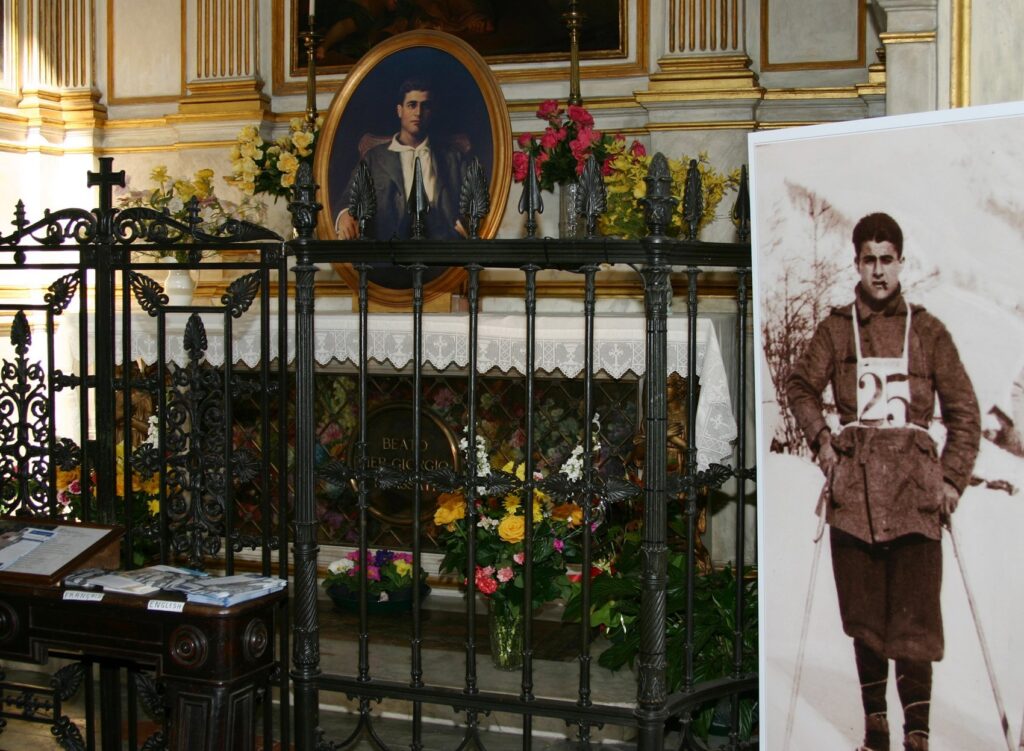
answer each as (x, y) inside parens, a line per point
(574, 21)
(310, 39)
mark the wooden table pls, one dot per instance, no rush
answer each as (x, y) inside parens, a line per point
(213, 661)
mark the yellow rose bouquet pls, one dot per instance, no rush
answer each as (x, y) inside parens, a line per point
(259, 166)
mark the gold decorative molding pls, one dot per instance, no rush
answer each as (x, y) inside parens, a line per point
(710, 77)
(702, 125)
(811, 92)
(767, 65)
(213, 97)
(960, 55)
(876, 81)
(907, 37)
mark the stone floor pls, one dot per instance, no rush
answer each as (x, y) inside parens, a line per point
(443, 664)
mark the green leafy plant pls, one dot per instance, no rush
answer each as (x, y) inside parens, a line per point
(615, 608)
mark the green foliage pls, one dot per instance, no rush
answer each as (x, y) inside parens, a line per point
(616, 606)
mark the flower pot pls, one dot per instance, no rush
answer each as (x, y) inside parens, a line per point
(505, 624)
(398, 601)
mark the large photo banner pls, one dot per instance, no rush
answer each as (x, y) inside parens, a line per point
(889, 275)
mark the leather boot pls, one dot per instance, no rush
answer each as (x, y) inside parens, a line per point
(876, 733)
(915, 742)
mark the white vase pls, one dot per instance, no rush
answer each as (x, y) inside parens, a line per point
(179, 285)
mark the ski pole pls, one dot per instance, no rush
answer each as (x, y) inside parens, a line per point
(1004, 722)
(819, 533)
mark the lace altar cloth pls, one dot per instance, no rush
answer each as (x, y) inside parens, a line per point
(619, 349)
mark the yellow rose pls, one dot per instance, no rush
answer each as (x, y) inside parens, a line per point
(512, 529)
(302, 141)
(287, 179)
(450, 508)
(288, 164)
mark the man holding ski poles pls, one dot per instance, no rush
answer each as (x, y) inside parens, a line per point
(889, 490)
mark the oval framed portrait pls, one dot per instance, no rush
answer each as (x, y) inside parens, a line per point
(425, 95)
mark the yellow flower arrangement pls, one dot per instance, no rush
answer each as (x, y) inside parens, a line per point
(261, 167)
(173, 194)
(625, 183)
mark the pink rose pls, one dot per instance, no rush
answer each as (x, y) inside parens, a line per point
(520, 163)
(505, 574)
(558, 545)
(549, 110)
(519, 558)
(75, 487)
(549, 139)
(525, 140)
(63, 498)
(580, 116)
(637, 149)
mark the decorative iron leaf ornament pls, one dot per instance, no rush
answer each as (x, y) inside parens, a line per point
(21, 333)
(693, 200)
(362, 205)
(62, 292)
(148, 293)
(658, 204)
(592, 195)
(530, 202)
(195, 341)
(336, 473)
(241, 293)
(66, 454)
(443, 479)
(474, 199)
(714, 476)
(418, 204)
(741, 211)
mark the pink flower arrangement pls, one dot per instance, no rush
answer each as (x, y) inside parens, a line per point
(561, 150)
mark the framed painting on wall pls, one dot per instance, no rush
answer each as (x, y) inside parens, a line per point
(421, 89)
(502, 32)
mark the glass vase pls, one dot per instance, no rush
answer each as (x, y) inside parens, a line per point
(505, 623)
(569, 222)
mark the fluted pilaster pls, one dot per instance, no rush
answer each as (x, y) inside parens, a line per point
(222, 57)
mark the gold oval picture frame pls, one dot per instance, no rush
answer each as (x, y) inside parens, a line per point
(470, 114)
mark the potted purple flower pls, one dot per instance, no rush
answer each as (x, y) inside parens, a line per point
(389, 581)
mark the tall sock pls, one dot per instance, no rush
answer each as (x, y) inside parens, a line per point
(914, 683)
(873, 670)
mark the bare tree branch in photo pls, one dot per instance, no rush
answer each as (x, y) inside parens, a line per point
(804, 291)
